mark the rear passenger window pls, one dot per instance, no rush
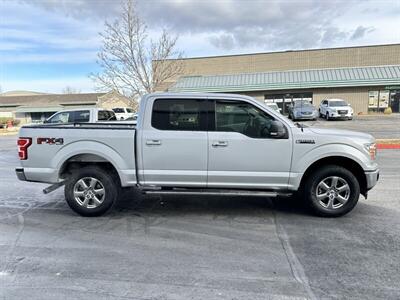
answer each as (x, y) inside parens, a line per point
(171, 114)
(81, 116)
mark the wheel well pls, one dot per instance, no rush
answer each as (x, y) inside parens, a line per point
(344, 162)
(82, 160)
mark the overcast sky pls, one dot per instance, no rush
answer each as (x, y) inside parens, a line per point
(46, 45)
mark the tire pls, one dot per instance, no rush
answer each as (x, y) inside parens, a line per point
(329, 204)
(327, 116)
(91, 191)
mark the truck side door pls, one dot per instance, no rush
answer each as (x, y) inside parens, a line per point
(242, 154)
(174, 143)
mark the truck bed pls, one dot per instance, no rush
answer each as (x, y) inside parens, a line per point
(55, 145)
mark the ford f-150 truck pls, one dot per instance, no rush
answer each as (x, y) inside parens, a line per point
(212, 144)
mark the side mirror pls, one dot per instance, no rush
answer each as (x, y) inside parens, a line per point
(277, 130)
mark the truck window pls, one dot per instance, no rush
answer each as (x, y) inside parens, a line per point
(81, 116)
(172, 114)
(111, 116)
(119, 110)
(62, 117)
(103, 115)
(242, 117)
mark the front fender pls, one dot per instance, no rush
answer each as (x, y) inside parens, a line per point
(303, 158)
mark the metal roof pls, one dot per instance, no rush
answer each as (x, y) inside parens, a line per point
(296, 79)
(50, 99)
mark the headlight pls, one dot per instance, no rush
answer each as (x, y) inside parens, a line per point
(371, 149)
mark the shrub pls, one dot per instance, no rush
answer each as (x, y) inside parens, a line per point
(387, 111)
(3, 120)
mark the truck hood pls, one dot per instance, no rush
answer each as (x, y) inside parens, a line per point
(343, 133)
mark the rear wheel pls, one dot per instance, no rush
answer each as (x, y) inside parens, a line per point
(91, 191)
(331, 191)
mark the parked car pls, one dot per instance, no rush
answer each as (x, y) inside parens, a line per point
(273, 106)
(194, 143)
(335, 109)
(123, 113)
(302, 110)
(82, 115)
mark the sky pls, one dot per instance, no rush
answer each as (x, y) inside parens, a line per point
(47, 45)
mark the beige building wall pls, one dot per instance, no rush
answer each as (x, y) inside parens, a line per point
(290, 60)
(114, 99)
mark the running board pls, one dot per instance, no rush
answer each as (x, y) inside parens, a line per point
(215, 192)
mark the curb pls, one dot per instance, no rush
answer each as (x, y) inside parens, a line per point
(388, 146)
(388, 143)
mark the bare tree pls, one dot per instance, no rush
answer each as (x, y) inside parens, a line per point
(70, 90)
(131, 63)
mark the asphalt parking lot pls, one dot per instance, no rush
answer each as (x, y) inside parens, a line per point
(197, 247)
(382, 127)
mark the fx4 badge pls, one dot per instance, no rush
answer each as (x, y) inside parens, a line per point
(305, 142)
(50, 141)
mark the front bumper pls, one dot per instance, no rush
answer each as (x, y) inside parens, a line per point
(306, 117)
(336, 115)
(372, 178)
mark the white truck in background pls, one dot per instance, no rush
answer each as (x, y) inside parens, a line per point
(124, 113)
(81, 115)
(211, 144)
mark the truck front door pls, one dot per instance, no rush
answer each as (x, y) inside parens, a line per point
(242, 154)
(174, 143)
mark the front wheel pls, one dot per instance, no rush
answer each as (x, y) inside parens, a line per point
(332, 191)
(327, 116)
(91, 191)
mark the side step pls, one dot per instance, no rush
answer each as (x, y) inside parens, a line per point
(214, 192)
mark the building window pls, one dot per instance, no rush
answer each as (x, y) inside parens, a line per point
(378, 100)
(284, 100)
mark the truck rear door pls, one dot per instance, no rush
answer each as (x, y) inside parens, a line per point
(174, 143)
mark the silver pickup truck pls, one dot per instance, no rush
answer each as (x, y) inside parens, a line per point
(212, 144)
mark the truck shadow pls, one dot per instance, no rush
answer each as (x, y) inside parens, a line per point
(133, 201)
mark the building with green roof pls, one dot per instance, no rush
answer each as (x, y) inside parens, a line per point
(367, 77)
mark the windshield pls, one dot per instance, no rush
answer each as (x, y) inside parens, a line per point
(302, 103)
(337, 103)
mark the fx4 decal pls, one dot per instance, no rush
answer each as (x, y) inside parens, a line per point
(50, 141)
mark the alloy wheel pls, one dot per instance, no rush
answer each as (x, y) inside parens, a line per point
(89, 192)
(333, 192)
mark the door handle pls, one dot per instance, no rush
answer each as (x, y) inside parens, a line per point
(220, 144)
(153, 142)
